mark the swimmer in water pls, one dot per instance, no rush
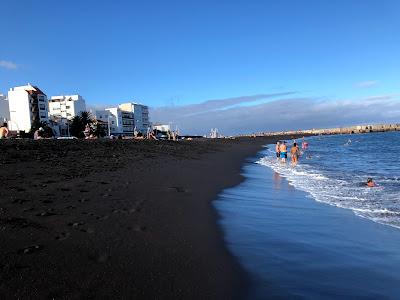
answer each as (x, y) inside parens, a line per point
(304, 144)
(371, 183)
(348, 142)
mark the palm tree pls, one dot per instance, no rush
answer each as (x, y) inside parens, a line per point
(79, 122)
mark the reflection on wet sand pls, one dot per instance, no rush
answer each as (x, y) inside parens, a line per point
(277, 179)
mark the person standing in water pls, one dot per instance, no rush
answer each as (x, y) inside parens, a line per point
(304, 144)
(295, 153)
(283, 151)
(277, 150)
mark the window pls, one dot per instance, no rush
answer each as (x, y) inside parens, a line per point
(42, 107)
(112, 122)
(42, 116)
(68, 107)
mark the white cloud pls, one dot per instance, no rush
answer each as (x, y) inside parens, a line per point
(366, 84)
(282, 114)
(8, 65)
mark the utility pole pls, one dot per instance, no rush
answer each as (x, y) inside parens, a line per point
(108, 123)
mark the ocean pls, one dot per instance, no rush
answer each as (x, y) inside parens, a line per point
(335, 169)
(316, 231)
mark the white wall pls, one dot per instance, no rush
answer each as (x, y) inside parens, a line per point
(66, 106)
(140, 114)
(115, 120)
(20, 117)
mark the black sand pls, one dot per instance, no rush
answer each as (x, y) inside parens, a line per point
(117, 219)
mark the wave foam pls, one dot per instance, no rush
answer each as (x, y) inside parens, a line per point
(344, 193)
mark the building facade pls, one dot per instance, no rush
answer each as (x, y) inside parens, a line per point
(127, 122)
(118, 122)
(140, 115)
(66, 107)
(28, 105)
(4, 109)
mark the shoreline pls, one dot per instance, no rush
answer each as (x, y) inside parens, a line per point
(294, 246)
(121, 218)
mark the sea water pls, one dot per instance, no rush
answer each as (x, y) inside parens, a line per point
(315, 231)
(335, 169)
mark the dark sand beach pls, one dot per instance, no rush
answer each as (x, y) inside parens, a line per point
(117, 219)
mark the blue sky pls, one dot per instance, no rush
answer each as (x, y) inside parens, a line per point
(166, 53)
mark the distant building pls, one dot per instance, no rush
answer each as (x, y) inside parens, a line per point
(127, 122)
(118, 122)
(162, 127)
(140, 115)
(107, 120)
(66, 107)
(4, 109)
(28, 104)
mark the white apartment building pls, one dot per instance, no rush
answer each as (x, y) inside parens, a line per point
(127, 122)
(140, 115)
(4, 109)
(28, 104)
(118, 122)
(66, 107)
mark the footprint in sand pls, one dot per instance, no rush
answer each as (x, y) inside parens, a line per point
(139, 228)
(19, 201)
(178, 189)
(28, 209)
(30, 249)
(75, 224)
(62, 236)
(84, 200)
(46, 213)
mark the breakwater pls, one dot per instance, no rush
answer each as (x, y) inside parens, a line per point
(337, 130)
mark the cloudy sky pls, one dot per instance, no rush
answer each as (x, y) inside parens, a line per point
(276, 112)
(240, 66)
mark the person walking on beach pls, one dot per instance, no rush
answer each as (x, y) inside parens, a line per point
(277, 150)
(38, 134)
(283, 151)
(295, 152)
(4, 131)
(148, 134)
(87, 131)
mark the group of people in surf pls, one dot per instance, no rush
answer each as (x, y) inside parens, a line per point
(281, 150)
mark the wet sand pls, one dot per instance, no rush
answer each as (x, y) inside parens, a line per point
(117, 219)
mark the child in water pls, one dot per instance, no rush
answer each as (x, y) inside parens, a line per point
(370, 182)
